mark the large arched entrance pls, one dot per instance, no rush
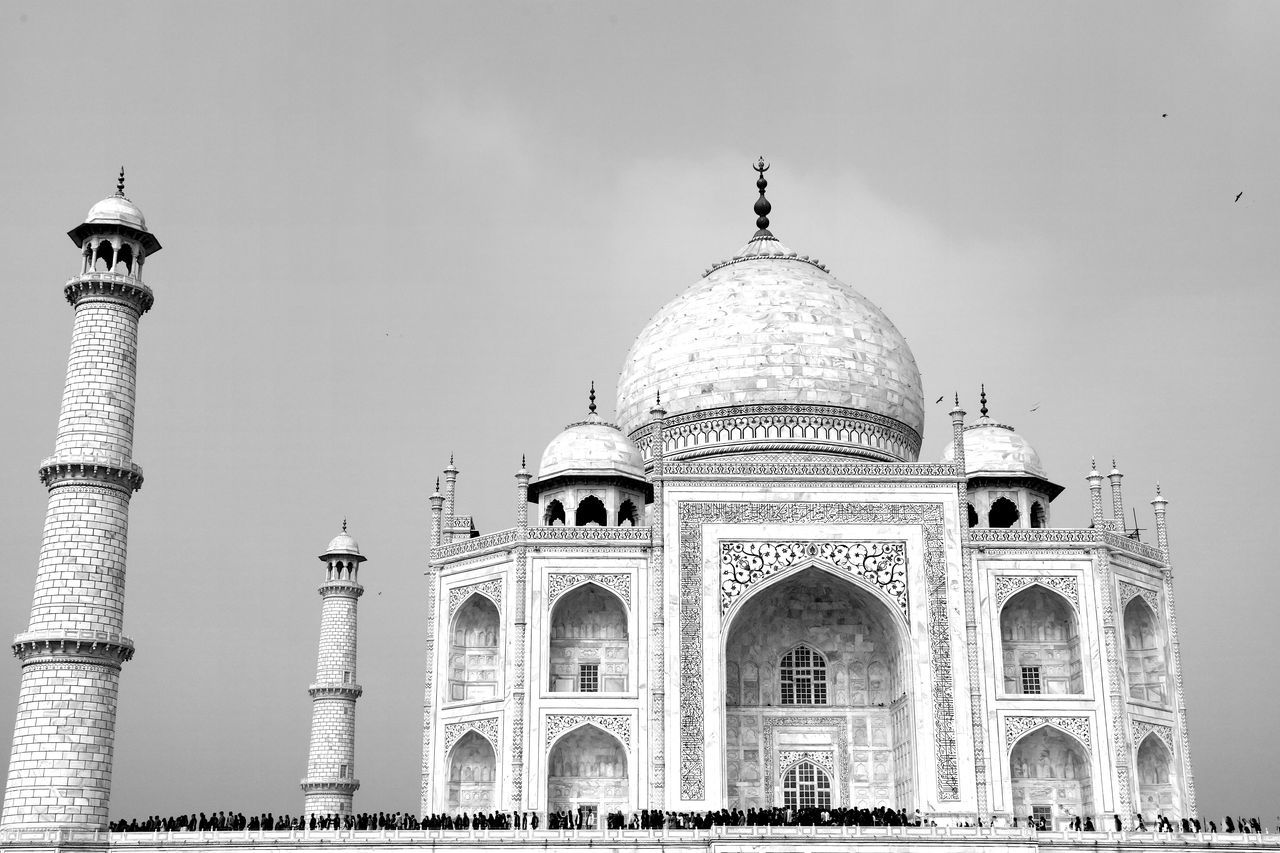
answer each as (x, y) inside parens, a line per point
(1052, 778)
(816, 697)
(1041, 644)
(587, 775)
(472, 774)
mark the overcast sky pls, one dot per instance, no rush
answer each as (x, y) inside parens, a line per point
(396, 231)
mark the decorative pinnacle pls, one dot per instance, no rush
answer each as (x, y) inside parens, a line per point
(592, 397)
(437, 485)
(957, 399)
(522, 461)
(659, 399)
(762, 207)
(344, 525)
(983, 399)
(120, 183)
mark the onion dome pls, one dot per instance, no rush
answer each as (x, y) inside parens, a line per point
(343, 545)
(590, 448)
(994, 451)
(772, 334)
(116, 213)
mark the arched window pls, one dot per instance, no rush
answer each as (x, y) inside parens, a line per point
(102, 258)
(589, 645)
(1004, 513)
(587, 766)
(1037, 515)
(806, 786)
(1144, 653)
(627, 515)
(973, 516)
(802, 677)
(554, 514)
(1041, 645)
(473, 651)
(591, 512)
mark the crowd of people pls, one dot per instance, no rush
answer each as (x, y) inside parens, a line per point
(650, 819)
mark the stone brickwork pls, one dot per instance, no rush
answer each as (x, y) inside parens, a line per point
(331, 783)
(72, 651)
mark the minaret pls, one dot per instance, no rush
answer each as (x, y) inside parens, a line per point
(331, 762)
(73, 648)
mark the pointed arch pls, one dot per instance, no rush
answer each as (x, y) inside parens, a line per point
(124, 258)
(1003, 513)
(475, 633)
(628, 516)
(972, 516)
(1157, 778)
(1040, 643)
(587, 766)
(1038, 515)
(805, 785)
(1146, 664)
(802, 676)
(1051, 776)
(553, 514)
(589, 643)
(473, 773)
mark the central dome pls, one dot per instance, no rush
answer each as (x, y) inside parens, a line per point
(772, 332)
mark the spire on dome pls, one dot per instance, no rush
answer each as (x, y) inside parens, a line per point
(120, 183)
(983, 399)
(592, 398)
(344, 525)
(762, 207)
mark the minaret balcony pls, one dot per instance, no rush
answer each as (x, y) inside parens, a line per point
(72, 646)
(321, 690)
(111, 468)
(110, 285)
(334, 785)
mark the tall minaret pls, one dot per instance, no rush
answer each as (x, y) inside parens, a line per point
(331, 762)
(73, 648)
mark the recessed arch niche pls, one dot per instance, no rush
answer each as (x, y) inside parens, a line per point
(587, 769)
(1144, 658)
(590, 647)
(1040, 641)
(1157, 793)
(473, 774)
(832, 629)
(1051, 775)
(473, 650)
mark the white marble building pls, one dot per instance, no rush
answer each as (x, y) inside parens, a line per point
(752, 592)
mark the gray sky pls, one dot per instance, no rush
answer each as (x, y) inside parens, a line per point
(393, 231)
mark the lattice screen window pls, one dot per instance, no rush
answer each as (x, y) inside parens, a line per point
(1042, 815)
(806, 786)
(802, 677)
(589, 678)
(1031, 679)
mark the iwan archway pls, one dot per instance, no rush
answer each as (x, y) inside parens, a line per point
(817, 688)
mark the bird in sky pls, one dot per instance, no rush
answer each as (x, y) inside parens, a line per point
(1036, 406)
(1239, 194)
(1164, 115)
(939, 400)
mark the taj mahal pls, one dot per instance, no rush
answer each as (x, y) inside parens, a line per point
(758, 588)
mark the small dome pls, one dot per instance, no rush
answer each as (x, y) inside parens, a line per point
(591, 447)
(768, 327)
(343, 544)
(116, 210)
(995, 450)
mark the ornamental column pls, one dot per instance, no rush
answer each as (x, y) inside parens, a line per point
(1095, 495)
(331, 780)
(1160, 504)
(73, 648)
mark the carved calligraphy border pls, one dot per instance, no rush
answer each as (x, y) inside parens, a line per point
(833, 725)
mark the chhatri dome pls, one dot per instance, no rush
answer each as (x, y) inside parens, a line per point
(119, 214)
(994, 450)
(591, 447)
(772, 334)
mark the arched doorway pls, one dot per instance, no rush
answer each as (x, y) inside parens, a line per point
(1052, 778)
(1041, 644)
(1144, 653)
(472, 774)
(1157, 793)
(816, 671)
(589, 644)
(473, 650)
(587, 775)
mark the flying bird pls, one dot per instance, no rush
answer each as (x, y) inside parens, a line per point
(1239, 194)
(939, 400)
(1036, 406)
(1164, 115)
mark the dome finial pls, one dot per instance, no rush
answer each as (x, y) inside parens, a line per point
(983, 399)
(762, 207)
(592, 398)
(120, 183)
